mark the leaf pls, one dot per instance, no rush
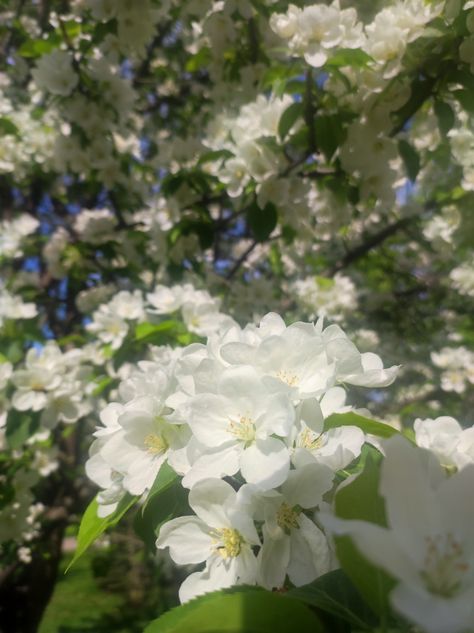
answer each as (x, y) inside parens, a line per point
(214, 155)
(262, 221)
(165, 478)
(92, 526)
(466, 99)
(361, 500)
(150, 333)
(289, 118)
(250, 610)
(169, 503)
(37, 48)
(411, 159)
(330, 133)
(373, 427)
(334, 593)
(355, 57)
(20, 426)
(445, 115)
(102, 385)
(7, 127)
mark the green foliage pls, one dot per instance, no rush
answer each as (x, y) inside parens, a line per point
(20, 426)
(262, 221)
(289, 118)
(361, 500)
(335, 594)
(411, 159)
(365, 424)
(249, 610)
(92, 526)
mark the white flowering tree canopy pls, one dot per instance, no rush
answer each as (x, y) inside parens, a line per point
(236, 298)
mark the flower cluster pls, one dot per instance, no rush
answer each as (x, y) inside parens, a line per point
(248, 407)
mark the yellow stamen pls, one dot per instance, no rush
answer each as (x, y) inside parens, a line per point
(287, 517)
(243, 428)
(155, 443)
(228, 542)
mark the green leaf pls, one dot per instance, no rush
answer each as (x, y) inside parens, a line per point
(14, 352)
(214, 155)
(366, 424)
(20, 426)
(361, 500)
(445, 115)
(330, 133)
(240, 611)
(334, 593)
(37, 48)
(102, 385)
(289, 118)
(165, 478)
(148, 332)
(355, 57)
(170, 502)
(92, 526)
(7, 127)
(411, 159)
(199, 60)
(466, 99)
(262, 221)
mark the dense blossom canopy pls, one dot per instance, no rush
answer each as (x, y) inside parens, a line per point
(236, 257)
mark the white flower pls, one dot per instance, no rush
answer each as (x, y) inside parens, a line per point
(6, 370)
(335, 448)
(236, 427)
(109, 327)
(428, 546)
(222, 534)
(95, 226)
(54, 72)
(445, 437)
(292, 543)
(143, 443)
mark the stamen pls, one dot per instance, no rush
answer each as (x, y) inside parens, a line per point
(287, 517)
(288, 378)
(444, 566)
(243, 428)
(228, 542)
(155, 443)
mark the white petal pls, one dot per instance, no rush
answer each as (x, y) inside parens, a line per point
(215, 576)
(218, 463)
(379, 545)
(208, 499)
(333, 400)
(188, 539)
(210, 416)
(408, 482)
(305, 486)
(312, 415)
(274, 558)
(309, 553)
(434, 614)
(266, 463)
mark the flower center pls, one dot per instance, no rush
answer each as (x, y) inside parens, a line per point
(229, 542)
(243, 428)
(310, 440)
(288, 377)
(444, 565)
(287, 517)
(155, 443)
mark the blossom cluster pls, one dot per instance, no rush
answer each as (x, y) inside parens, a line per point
(242, 420)
(249, 405)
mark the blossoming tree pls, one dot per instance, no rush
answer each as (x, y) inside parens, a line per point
(217, 218)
